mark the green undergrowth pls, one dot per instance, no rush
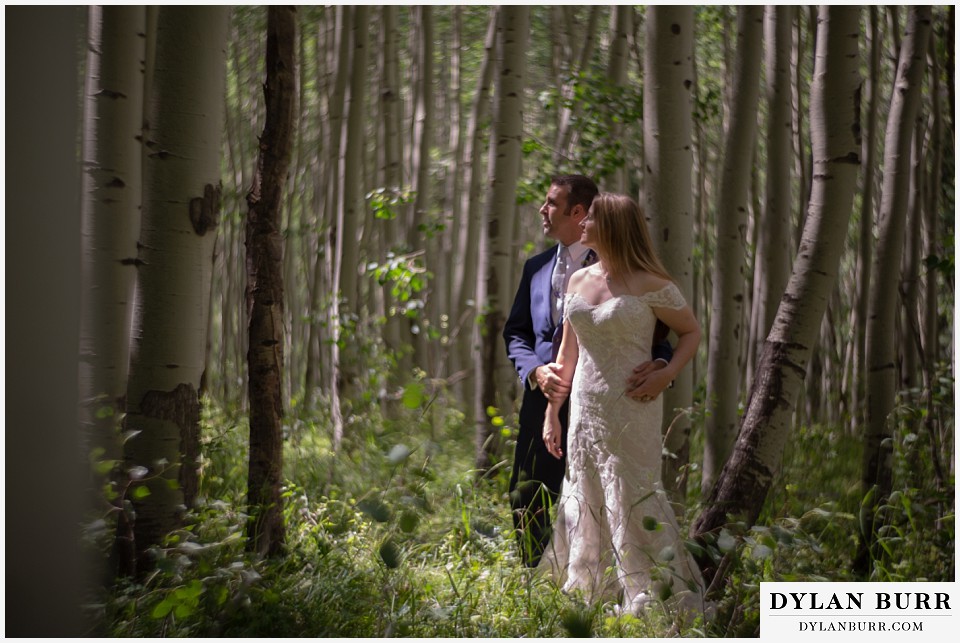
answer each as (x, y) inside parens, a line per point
(392, 535)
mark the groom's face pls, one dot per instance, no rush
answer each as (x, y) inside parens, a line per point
(560, 221)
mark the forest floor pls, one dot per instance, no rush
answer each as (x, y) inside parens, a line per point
(394, 536)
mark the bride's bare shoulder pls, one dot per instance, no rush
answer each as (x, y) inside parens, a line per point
(644, 282)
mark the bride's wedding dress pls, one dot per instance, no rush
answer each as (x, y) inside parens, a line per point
(616, 534)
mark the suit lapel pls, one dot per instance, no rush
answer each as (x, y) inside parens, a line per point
(541, 297)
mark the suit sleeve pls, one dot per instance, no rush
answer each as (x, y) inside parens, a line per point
(518, 333)
(661, 348)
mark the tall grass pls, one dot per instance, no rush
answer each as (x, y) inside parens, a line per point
(393, 536)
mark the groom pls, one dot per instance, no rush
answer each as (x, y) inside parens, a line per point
(532, 335)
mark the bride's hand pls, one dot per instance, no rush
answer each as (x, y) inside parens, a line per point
(552, 436)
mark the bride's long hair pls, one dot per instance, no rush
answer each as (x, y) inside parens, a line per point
(623, 239)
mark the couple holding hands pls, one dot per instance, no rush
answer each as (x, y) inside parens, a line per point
(581, 335)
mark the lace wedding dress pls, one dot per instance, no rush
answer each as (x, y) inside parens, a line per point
(616, 533)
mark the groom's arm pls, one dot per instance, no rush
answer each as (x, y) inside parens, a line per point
(661, 349)
(518, 334)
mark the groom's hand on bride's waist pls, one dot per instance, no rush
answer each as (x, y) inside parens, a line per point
(647, 381)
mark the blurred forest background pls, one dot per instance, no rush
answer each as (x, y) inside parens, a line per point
(297, 236)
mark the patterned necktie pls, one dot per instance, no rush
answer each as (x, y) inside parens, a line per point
(559, 288)
(558, 283)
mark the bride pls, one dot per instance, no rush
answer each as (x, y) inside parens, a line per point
(616, 533)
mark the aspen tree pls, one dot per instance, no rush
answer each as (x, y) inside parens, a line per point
(883, 300)
(181, 210)
(668, 192)
(494, 370)
(834, 115)
(110, 215)
(726, 332)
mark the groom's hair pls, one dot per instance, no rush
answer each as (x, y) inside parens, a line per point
(581, 189)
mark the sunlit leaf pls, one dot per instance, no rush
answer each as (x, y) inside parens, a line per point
(726, 542)
(140, 492)
(413, 395)
(399, 453)
(162, 608)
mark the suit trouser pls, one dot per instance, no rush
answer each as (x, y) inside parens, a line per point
(537, 478)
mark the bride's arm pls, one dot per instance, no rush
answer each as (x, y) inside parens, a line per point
(567, 361)
(685, 325)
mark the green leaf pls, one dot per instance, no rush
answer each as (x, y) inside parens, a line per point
(650, 523)
(139, 492)
(375, 509)
(413, 395)
(390, 553)
(162, 608)
(409, 521)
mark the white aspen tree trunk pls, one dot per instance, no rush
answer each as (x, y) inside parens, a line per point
(668, 192)
(422, 141)
(350, 219)
(110, 218)
(865, 245)
(774, 238)
(931, 215)
(834, 110)
(350, 226)
(882, 305)
(801, 171)
(326, 266)
(700, 201)
(181, 208)
(451, 233)
(568, 114)
(621, 24)
(494, 371)
(909, 310)
(723, 368)
(932, 281)
(395, 234)
(466, 272)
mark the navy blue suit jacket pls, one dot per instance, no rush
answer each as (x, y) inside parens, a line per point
(528, 332)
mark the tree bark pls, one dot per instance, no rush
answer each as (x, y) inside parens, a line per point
(882, 305)
(569, 114)
(865, 244)
(466, 273)
(494, 370)
(723, 369)
(265, 291)
(774, 239)
(668, 194)
(181, 209)
(621, 25)
(834, 109)
(110, 215)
